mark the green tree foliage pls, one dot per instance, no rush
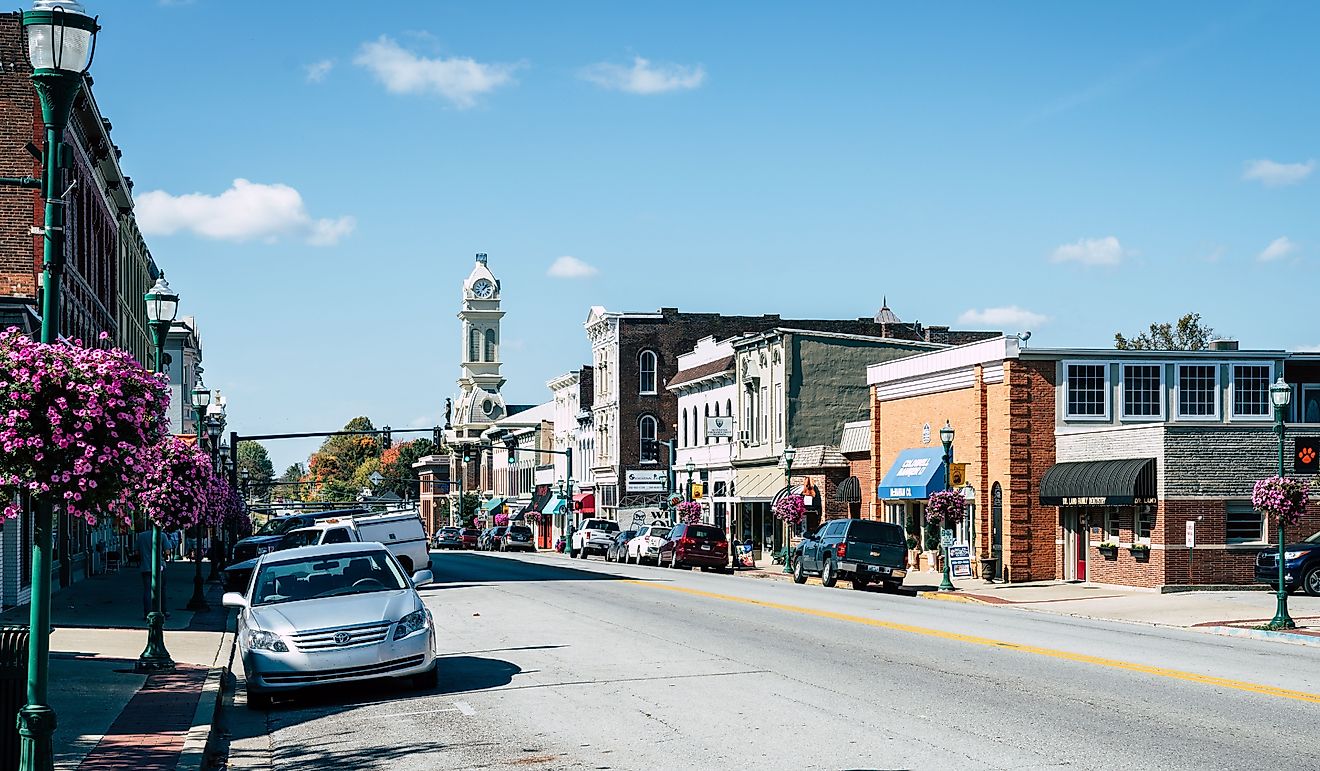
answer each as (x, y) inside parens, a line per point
(468, 510)
(254, 459)
(396, 465)
(294, 492)
(1186, 334)
(332, 468)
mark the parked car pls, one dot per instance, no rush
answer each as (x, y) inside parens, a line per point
(448, 538)
(483, 540)
(468, 536)
(861, 550)
(517, 538)
(268, 537)
(1301, 566)
(594, 536)
(618, 550)
(646, 546)
(492, 539)
(686, 546)
(329, 614)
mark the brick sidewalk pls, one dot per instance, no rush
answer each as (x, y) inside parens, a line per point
(148, 735)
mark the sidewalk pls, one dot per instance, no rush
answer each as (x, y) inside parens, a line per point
(107, 716)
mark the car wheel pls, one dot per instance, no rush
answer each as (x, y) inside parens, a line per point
(799, 574)
(258, 700)
(428, 680)
(860, 583)
(1311, 581)
(572, 554)
(829, 574)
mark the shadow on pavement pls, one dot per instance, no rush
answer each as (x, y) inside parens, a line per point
(460, 674)
(475, 568)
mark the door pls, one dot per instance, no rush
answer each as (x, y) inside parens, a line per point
(997, 529)
(1074, 544)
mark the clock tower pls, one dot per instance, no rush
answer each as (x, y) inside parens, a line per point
(479, 401)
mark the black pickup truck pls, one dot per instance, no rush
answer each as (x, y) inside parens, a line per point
(862, 550)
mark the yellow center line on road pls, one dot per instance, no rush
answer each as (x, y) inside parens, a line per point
(1081, 658)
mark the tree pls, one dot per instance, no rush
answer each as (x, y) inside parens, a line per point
(1186, 334)
(254, 459)
(396, 465)
(467, 512)
(332, 467)
(295, 473)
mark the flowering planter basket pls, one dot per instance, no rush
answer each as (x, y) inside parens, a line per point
(1141, 555)
(1282, 499)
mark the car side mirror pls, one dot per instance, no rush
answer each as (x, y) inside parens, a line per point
(422, 578)
(234, 600)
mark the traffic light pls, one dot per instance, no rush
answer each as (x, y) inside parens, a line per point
(437, 438)
(467, 453)
(386, 440)
(511, 444)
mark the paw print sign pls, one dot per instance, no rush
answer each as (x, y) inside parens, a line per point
(1306, 458)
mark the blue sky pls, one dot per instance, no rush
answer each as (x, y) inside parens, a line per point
(1066, 168)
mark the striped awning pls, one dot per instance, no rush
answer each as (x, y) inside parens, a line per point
(849, 491)
(1099, 482)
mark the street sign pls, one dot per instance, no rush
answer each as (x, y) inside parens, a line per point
(1191, 534)
(698, 491)
(960, 561)
(1306, 455)
(957, 475)
(719, 428)
(946, 538)
(646, 481)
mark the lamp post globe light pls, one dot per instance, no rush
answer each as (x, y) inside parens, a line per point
(162, 306)
(946, 438)
(1280, 397)
(789, 453)
(691, 469)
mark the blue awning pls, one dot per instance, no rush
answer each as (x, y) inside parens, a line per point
(553, 506)
(916, 474)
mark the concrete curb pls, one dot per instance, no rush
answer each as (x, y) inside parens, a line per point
(950, 597)
(1261, 634)
(193, 755)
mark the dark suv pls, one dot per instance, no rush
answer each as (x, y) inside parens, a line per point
(1301, 566)
(516, 538)
(704, 546)
(859, 549)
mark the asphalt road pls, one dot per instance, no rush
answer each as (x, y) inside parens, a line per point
(557, 664)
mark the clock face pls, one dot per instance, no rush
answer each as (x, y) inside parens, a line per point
(483, 288)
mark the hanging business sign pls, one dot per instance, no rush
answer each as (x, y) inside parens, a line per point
(960, 561)
(646, 481)
(719, 428)
(1306, 455)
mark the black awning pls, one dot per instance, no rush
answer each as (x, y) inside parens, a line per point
(849, 491)
(1099, 482)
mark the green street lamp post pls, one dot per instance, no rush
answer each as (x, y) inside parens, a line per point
(691, 469)
(1280, 396)
(946, 438)
(162, 307)
(789, 453)
(61, 43)
(201, 399)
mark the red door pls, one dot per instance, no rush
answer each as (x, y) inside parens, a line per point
(1080, 550)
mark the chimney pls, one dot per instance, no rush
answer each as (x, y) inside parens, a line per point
(1223, 345)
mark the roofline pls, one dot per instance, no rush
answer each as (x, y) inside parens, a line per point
(755, 337)
(1065, 353)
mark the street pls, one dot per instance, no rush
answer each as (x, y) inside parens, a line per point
(556, 664)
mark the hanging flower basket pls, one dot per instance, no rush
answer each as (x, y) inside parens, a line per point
(179, 488)
(946, 508)
(532, 516)
(689, 512)
(790, 509)
(501, 520)
(1283, 499)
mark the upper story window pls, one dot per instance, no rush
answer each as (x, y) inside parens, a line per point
(649, 449)
(1251, 391)
(490, 345)
(685, 427)
(647, 365)
(474, 345)
(1198, 391)
(1087, 391)
(703, 427)
(1143, 391)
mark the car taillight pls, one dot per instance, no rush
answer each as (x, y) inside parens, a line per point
(686, 541)
(721, 544)
(841, 549)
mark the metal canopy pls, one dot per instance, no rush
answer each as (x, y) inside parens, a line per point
(1099, 482)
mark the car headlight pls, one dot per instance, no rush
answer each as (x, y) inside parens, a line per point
(413, 622)
(266, 641)
(1292, 555)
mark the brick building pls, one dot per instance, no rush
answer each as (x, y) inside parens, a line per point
(635, 356)
(1088, 464)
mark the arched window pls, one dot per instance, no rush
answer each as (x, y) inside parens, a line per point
(647, 363)
(474, 345)
(648, 430)
(490, 345)
(685, 427)
(703, 428)
(728, 412)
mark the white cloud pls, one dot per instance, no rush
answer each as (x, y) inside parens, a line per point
(1278, 249)
(1272, 174)
(1308, 349)
(644, 77)
(571, 267)
(1091, 251)
(244, 212)
(316, 71)
(459, 80)
(1005, 317)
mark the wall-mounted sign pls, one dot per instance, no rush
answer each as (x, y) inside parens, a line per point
(646, 481)
(1191, 534)
(925, 433)
(957, 475)
(719, 428)
(1306, 455)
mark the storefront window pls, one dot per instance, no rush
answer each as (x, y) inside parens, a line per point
(1145, 523)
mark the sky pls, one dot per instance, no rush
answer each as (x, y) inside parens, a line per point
(315, 177)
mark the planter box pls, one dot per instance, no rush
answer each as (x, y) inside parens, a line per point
(1141, 555)
(1109, 553)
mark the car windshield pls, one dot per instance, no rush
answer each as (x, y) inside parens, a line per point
(602, 524)
(1313, 539)
(658, 532)
(270, 528)
(520, 530)
(471, 532)
(330, 576)
(625, 535)
(300, 538)
(450, 531)
(705, 532)
(876, 532)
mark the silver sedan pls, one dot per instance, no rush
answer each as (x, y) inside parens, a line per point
(329, 614)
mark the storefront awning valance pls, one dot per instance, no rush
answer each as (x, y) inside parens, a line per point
(916, 473)
(1099, 482)
(586, 503)
(494, 504)
(553, 506)
(849, 491)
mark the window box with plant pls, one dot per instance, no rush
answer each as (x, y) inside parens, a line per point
(1108, 549)
(1140, 552)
